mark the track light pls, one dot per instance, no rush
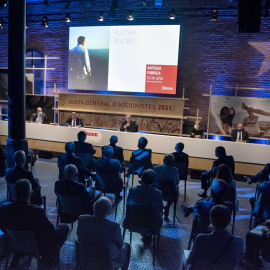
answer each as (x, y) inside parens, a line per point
(67, 17)
(100, 16)
(172, 14)
(46, 3)
(1, 23)
(214, 15)
(45, 22)
(130, 16)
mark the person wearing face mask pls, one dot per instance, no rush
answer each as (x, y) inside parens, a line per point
(239, 134)
(39, 117)
(198, 130)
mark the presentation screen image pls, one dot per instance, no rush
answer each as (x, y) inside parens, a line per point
(124, 58)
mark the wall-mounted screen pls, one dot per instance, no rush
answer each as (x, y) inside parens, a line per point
(124, 58)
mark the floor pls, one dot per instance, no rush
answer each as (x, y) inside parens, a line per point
(173, 240)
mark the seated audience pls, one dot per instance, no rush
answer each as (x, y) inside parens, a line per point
(98, 231)
(39, 117)
(263, 175)
(70, 187)
(18, 172)
(110, 167)
(2, 161)
(218, 249)
(128, 124)
(222, 158)
(20, 215)
(198, 130)
(165, 173)
(179, 155)
(146, 194)
(239, 134)
(202, 207)
(81, 147)
(74, 120)
(70, 158)
(117, 150)
(141, 159)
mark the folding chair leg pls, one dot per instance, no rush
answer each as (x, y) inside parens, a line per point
(71, 226)
(234, 213)
(124, 202)
(57, 220)
(116, 205)
(185, 192)
(124, 232)
(250, 221)
(158, 239)
(154, 249)
(130, 237)
(174, 213)
(44, 203)
(132, 179)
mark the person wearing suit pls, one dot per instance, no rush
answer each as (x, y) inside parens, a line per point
(117, 150)
(239, 134)
(68, 186)
(108, 166)
(141, 159)
(146, 194)
(104, 234)
(222, 158)
(81, 147)
(21, 215)
(219, 247)
(18, 172)
(263, 175)
(74, 121)
(3, 157)
(167, 173)
(39, 117)
(70, 158)
(128, 124)
(179, 155)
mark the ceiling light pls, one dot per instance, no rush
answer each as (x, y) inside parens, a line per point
(45, 22)
(1, 23)
(100, 16)
(67, 17)
(214, 15)
(172, 14)
(130, 16)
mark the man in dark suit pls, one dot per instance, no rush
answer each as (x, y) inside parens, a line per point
(74, 120)
(70, 158)
(263, 175)
(141, 159)
(68, 186)
(179, 155)
(167, 173)
(104, 233)
(18, 172)
(39, 117)
(128, 124)
(222, 158)
(117, 150)
(110, 168)
(146, 194)
(21, 215)
(81, 147)
(239, 134)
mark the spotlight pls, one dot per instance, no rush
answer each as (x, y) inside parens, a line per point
(67, 17)
(1, 23)
(214, 15)
(46, 3)
(172, 14)
(100, 16)
(67, 5)
(130, 16)
(45, 22)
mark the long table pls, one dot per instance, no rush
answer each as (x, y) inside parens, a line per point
(198, 149)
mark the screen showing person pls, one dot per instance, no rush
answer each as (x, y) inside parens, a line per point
(74, 120)
(128, 124)
(39, 117)
(239, 134)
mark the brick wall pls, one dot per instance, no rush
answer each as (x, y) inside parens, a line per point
(211, 52)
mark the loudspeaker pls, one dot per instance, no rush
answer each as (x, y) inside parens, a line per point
(249, 16)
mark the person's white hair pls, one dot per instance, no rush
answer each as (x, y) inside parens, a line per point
(102, 207)
(70, 171)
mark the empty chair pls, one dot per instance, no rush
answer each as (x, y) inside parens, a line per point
(87, 160)
(182, 169)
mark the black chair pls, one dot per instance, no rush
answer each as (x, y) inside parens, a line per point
(96, 257)
(141, 219)
(69, 208)
(169, 193)
(182, 169)
(107, 183)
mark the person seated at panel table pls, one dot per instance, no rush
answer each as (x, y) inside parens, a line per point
(74, 120)
(219, 249)
(263, 175)
(128, 124)
(39, 117)
(179, 155)
(222, 158)
(239, 134)
(198, 130)
(117, 150)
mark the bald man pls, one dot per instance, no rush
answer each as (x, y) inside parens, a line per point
(39, 117)
(239, 134)
(128, 124)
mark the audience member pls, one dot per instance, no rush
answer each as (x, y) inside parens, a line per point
(70, 158)
(20, 215)
(222, 158)
(110, 167)
(179, 155)
(198, 130)
(146, 194)
(2, 161)
(18, 172)
(239, 134)
(69, 187)
(98, 231)
(263, 175)
(141, 159)
(219, 249)
(167, 173)
(81, 147)
(117, 150)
